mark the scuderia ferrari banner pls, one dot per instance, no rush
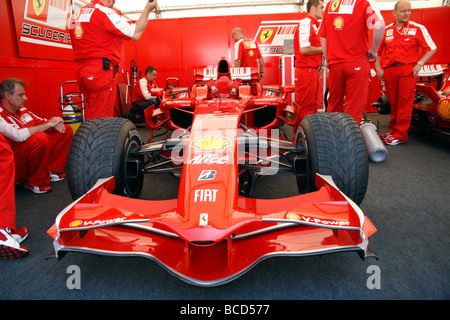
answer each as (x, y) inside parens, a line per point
(41, 28)
(271, 35)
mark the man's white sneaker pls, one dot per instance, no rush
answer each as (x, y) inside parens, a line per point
(393, 141)
(10, 249)
(54, 177)
(36, 189)
(20, 234)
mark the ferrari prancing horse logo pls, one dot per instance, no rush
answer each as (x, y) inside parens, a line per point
(335, 5)
(266, 35)
(38, 6)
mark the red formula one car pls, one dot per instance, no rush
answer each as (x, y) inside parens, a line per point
(222, 138)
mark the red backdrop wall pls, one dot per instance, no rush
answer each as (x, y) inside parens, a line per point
(174, 46)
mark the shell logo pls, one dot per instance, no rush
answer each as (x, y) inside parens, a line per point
(444, 109)
(211, 143)
(338, 23)
(78, 32)
(292, 216)
(75, 223)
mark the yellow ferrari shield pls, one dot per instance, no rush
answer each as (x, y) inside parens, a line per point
(266, 34)
(38, 6)
(334, 5)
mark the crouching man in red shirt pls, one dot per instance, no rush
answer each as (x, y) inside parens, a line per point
(41, 156)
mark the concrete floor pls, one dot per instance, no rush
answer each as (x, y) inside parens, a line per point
(407, 200)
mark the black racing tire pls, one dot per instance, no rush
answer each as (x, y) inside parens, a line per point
(101, 148)
(383, 105)
(334, 146)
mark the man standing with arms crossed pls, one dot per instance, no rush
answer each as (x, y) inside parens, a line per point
(97, 32)
(308, 58)
(344, 34)
(398, 64)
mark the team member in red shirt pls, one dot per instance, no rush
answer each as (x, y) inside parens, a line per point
(247, 54)
(10, 237)
(308, 58)
(142, 97)
(97, 32)
(40, 155)
(398, 63)
(344, 34)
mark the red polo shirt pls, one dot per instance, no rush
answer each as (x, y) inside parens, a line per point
(247, 51)
(406, 45)
(24, 118)
(142, 89)
(345, 25)
(306, 35)
(97, 32)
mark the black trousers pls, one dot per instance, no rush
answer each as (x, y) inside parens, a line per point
(138, 107)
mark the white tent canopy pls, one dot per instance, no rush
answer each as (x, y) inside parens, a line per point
(196, 8)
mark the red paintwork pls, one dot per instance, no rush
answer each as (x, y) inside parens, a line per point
(237, 232)
(118, 226)
(438, 104)
(198, 98)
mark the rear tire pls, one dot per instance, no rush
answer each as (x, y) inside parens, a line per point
(334, 146)
(101, 148)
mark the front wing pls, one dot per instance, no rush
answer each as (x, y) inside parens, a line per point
(320, 222)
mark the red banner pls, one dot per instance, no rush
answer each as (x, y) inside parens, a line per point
(41, 28)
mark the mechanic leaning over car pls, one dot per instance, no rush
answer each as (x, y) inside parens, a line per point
(344, 33)
(398, 63)
(142, 97)
(308, 58)
(247, 54)
(97, 32)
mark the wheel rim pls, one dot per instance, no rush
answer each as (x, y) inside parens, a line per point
(303, 180)
(133, 169)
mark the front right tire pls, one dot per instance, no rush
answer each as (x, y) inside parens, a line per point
(101, 148)
(334, 146)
